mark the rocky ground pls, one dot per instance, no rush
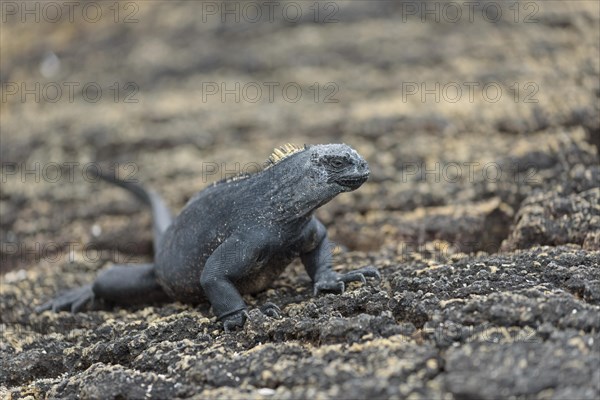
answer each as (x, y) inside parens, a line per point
(482, 212)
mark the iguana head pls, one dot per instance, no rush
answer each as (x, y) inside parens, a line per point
(313, 175)
(338, 167)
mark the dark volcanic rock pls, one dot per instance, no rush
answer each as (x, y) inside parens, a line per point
(570, 365)
(102, 381)
(481, 213)
(524, 323)
(554, 219)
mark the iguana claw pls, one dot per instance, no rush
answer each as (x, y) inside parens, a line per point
(361, 274)
(334, 282)
(74, 300)
(271, 310)
(235, 321)
(330, 285)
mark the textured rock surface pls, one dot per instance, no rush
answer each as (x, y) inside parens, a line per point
(553, 219)
(483, 216)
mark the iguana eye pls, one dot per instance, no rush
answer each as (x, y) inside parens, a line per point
(336, 163)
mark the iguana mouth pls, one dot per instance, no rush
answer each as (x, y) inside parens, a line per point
(353, 182)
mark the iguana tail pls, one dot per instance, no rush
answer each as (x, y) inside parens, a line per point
(161, 215)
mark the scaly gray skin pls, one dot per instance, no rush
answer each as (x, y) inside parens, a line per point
(236, 237)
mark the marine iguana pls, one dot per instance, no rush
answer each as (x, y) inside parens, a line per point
(236, 236)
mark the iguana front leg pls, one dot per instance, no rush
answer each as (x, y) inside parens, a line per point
(227, 263)
(318, 260)
(230, 262)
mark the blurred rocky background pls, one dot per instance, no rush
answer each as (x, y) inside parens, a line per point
(481, 126)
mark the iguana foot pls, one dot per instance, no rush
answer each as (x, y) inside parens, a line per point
(330, 283)
(271, 310)
(74, 300)
(235, 320)
(361, 274)
(334, 282)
